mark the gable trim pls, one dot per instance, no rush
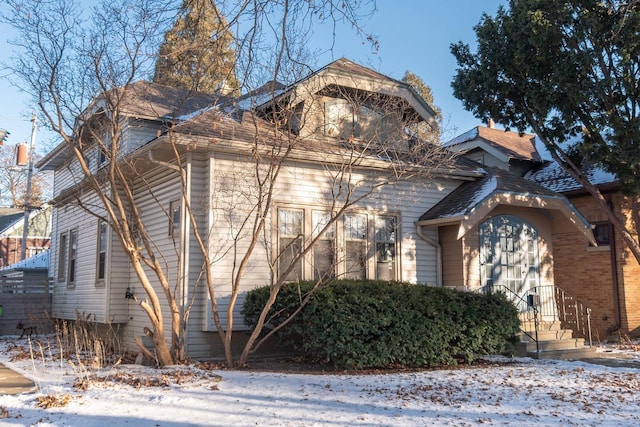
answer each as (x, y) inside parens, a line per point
(478, 212)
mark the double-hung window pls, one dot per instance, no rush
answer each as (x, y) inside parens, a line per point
(355, 246)
(290, 229)
(602, 233)
(73, 254)
(62, 257)
(385, 247)
(324, 266)
(340, 119)
(101, 267)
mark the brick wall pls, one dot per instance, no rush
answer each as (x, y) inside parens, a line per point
(10, 248)
(586, 272)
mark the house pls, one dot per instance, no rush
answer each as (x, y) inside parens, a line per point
(340, 171)
(11, 233)
(581, 268)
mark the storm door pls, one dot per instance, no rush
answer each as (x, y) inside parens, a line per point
(509, 255)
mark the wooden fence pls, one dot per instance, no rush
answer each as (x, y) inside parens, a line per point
(25, 302)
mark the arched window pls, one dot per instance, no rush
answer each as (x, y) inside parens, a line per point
(509, 254)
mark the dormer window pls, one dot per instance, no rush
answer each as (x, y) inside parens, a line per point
(343, 119)
(339, 119)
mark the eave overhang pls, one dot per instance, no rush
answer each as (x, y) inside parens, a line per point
(477, 213)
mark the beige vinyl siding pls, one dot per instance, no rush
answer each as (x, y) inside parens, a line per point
(486, 159)
(159, 187)
(67, 176)
(198, 342)
(81, 297)
(117, 281)
(310, 186)
(139, 132)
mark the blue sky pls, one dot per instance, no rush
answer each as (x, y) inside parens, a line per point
(414, 35)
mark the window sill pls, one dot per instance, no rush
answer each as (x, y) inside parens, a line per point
(598, 248)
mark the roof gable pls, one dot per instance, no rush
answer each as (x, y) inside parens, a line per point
(346, 74)
(9, 218)
(472, 201)
(502, 144)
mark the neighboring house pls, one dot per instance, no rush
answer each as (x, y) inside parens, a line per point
(580, 267)
(420, 230)
(489, 146)
(11, 233)
(25, 295)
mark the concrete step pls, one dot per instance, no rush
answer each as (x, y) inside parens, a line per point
(546, 335)
(566, 354)
(530, 325)
(573, 343)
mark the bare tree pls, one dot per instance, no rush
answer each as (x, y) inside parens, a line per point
(79, 76)
(13, 181)
(84, 76)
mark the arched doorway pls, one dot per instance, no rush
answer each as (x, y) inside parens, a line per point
(509, 258)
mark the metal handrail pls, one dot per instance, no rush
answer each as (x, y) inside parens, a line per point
(520, 303)
(552, 303)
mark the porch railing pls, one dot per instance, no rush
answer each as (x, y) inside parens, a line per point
(550, 303)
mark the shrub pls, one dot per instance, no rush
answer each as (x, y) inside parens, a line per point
(365, 324)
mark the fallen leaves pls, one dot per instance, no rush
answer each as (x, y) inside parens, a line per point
(53, 400)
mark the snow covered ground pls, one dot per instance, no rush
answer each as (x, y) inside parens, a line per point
(515, 392)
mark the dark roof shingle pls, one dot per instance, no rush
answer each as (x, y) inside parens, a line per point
(467, 196)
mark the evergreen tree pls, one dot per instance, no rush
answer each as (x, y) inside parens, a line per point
(423, 130)
(197, 53)
(568, 70)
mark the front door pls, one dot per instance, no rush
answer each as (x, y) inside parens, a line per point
(509, 256)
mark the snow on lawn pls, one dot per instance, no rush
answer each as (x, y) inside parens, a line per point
(513, 392)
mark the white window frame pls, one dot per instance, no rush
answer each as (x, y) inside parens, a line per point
(63, 247)
(102, 252)
(338, 237)
(72, 254)
(289, 236)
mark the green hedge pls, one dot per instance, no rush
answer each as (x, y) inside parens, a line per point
(367, 324)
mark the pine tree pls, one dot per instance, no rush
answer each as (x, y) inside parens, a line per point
(423, 130)
(197, 52)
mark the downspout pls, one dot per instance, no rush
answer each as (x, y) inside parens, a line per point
(438, 249)
(184, 247)
(615, 281)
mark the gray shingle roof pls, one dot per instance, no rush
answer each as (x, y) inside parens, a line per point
(9, 216)
(470, 194)
(155, 101)
(554, 177)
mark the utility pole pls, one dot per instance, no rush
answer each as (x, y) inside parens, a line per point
(27, 194)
